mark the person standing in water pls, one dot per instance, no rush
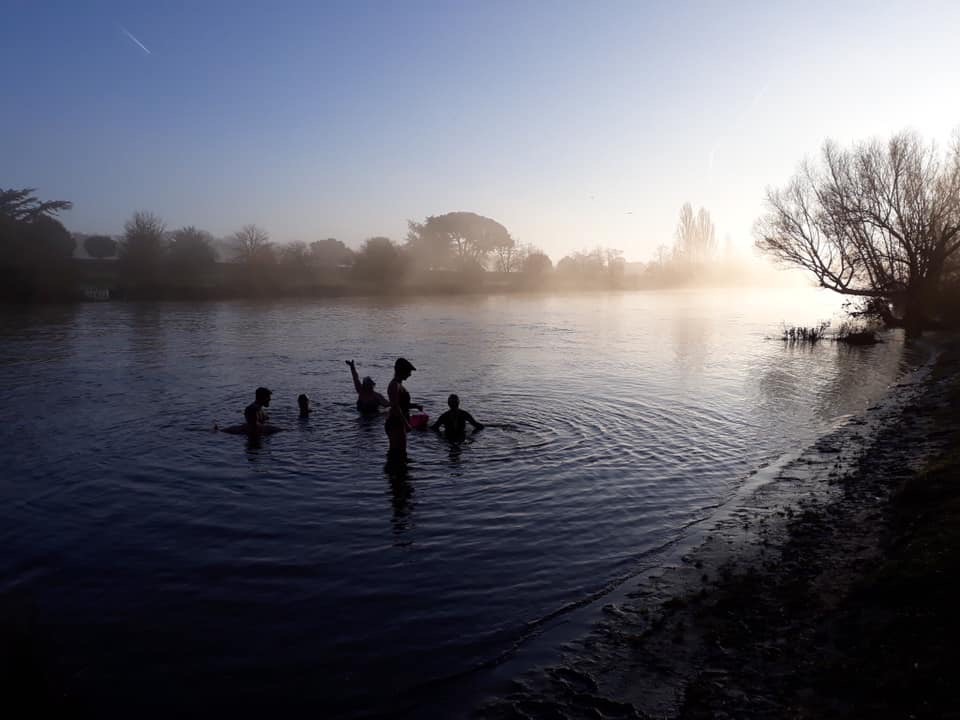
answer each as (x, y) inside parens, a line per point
(369, 401)
(398, 419)
(454, 421)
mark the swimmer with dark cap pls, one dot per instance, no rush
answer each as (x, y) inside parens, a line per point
(369, 401)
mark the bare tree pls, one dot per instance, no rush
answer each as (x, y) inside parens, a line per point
(509, 255)
(191, 251)
(879, 220)
(696, 238)
(706, 236)
(295, 254)
(252, 246)
(143, 246)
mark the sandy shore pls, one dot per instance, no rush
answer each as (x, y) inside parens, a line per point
(823, 592)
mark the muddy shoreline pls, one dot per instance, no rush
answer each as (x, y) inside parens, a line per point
(772, 615)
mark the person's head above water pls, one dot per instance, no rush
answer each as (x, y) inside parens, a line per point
(453, 401)
(263, 395)
(304, 402)
(367, 383)
(402, 368)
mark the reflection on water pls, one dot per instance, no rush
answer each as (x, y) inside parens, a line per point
(401, 494)
(296, 566)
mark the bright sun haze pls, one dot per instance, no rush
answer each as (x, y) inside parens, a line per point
(574, 125)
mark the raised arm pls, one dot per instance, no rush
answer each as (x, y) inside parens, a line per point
(356, 378)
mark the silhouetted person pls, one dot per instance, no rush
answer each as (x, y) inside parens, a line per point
(398, 419)
(256, 416)
(369, 401)
(304, 402)
(454, 421)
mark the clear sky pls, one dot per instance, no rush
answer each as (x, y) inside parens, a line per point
(572, 123)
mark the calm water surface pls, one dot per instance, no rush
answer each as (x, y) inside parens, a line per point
(171, 568)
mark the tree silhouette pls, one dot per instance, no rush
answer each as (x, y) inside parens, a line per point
(508, 256)
(143, 247)
(100, 246)
(878, 220)
(457, 240)
(191, 252)
(294, 254)
(35, 246)
(597, 268)
(696, 239)
(330, 253)
(20, 206)
(536, 263)
(29, 233)
(252, 246)
(380, 262)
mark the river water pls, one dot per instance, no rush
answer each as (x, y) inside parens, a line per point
(168, 568)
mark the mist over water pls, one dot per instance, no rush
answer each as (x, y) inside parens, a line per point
(174, 566)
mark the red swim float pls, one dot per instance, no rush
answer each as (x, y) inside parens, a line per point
(418, 422)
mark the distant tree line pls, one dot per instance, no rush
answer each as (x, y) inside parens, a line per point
(453, 252)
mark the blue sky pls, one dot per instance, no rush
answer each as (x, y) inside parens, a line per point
(574, 124)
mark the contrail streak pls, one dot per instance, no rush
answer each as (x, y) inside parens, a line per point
(139, 44)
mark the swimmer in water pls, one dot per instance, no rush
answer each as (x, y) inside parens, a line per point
(454, 421)
(255, 417)
(369, 401)
(304, 402)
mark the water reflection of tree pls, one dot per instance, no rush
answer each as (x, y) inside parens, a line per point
(691, 340)
(147, 334)
(20, 328)
(861, 372)
(825, 380)
(782, 390)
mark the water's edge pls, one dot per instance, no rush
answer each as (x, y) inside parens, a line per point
(580, 633)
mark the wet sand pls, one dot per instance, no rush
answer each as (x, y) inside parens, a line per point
(823, 593)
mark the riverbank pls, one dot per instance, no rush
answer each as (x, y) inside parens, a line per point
(825, 594)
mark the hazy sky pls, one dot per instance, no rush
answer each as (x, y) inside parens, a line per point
(572, 123)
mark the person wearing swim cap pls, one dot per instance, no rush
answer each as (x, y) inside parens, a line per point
(369, 401)
(398, 419)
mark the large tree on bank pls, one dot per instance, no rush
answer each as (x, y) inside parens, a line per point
(879, 220)
(458, 240)
(30, 234)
